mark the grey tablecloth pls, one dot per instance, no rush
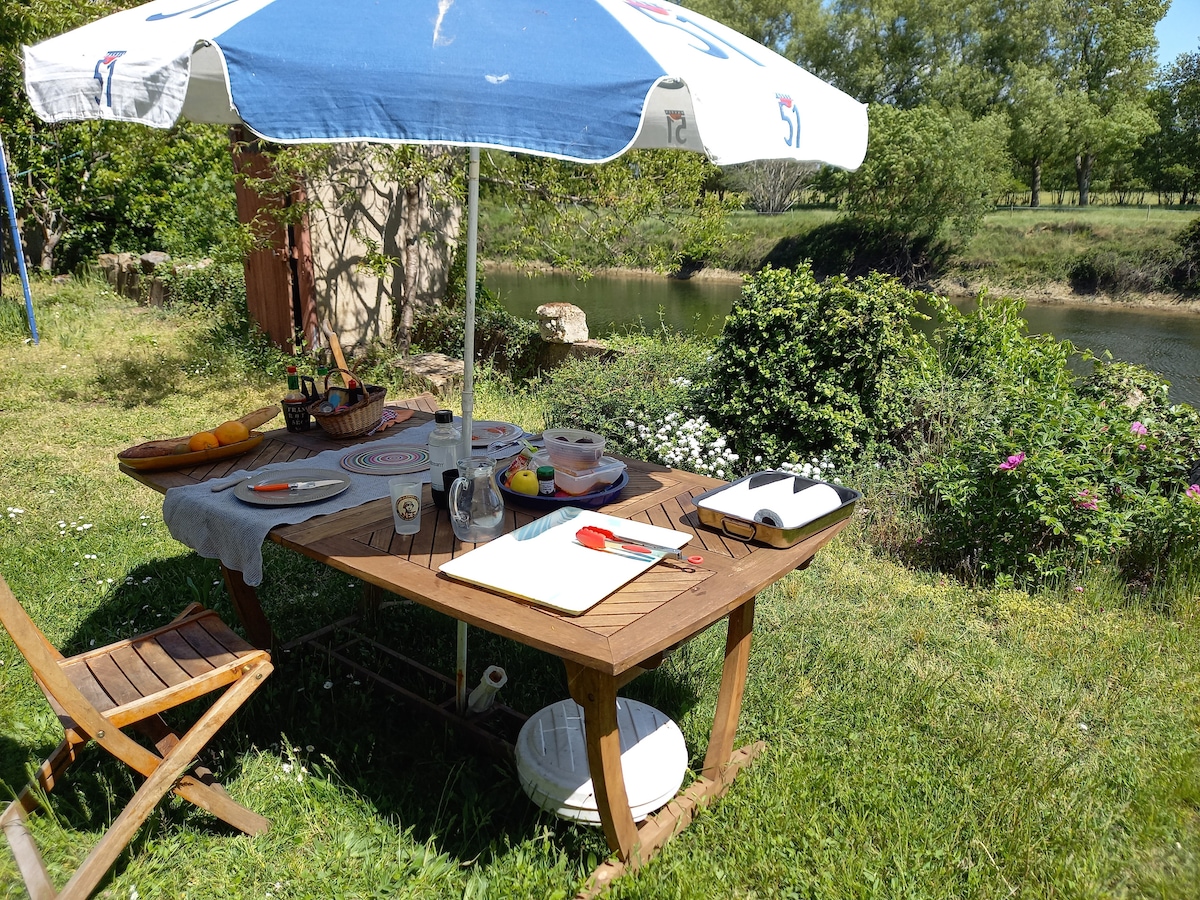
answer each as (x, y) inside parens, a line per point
(218, 525)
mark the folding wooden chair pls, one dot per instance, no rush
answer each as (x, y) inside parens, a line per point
(129, 683)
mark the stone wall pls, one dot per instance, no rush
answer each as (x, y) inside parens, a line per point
(356, 213)
(141, 278)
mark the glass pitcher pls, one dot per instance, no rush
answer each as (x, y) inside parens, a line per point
(476, 507)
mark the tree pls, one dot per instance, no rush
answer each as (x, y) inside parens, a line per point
(560, 206)
(1105, 57)
(1169, 161)
(927, 169)
(1037, 121)
(773, 185)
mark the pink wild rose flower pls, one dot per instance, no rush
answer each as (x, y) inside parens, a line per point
(1012, 462)
(1138, 428)
(1194, 492)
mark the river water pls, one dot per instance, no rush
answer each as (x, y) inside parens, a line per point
(1167, 342)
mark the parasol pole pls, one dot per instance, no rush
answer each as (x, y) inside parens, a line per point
(19, 252)
(468, 392)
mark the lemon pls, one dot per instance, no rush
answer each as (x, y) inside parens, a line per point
(524, 482)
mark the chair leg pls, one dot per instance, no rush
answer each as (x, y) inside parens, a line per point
(161, 780)
(199, 786)
(25, 851)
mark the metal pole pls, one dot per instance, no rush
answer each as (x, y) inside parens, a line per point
(460, 672)
(468, 392)
(18, 251)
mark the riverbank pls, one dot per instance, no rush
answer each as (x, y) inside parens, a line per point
(1062, 294)
(956, 288)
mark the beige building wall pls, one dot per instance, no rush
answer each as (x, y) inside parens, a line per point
(354, 209)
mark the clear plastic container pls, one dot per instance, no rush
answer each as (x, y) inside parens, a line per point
(572, 449)
(586, 481)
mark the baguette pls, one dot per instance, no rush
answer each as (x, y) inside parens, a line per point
(259, 417)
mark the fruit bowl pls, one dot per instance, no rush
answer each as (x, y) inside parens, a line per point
(191, 458)
(594, 500)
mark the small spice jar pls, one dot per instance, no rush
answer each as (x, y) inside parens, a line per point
(545, 477)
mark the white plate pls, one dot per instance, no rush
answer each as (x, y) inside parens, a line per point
(292, 498)
(485, 433)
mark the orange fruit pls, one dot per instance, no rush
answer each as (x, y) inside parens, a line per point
(231, 432)
(203, 440)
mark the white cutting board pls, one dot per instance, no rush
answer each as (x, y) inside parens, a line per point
(543, 563)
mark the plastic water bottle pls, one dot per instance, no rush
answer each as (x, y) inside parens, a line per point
(443, 456)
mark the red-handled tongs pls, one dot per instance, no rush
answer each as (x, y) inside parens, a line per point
(596, 538)
(642, 546)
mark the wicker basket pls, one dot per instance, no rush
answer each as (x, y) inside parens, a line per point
(350, 421)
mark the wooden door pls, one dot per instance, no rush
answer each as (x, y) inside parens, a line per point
(279, 278)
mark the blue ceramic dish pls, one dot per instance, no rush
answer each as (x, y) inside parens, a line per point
(594, 500)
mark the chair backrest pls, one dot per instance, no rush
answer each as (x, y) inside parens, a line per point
(43, 659)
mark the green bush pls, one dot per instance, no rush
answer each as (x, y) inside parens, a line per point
(1186, 274)
(1033, 474)
(805, 368)
(228, 339)
(215, 286)
(1118, 271)
(646, 379)
(510, 343)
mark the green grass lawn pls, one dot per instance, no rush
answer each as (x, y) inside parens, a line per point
(925, 739)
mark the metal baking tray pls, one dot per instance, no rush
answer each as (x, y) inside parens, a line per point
(765, 529)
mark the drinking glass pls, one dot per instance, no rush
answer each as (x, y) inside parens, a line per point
(406, 505)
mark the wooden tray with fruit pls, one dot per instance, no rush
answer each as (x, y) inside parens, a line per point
(228, 439)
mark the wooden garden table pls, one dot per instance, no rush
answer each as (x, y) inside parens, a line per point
(611, 644)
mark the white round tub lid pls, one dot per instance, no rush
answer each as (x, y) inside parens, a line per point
(553, 767)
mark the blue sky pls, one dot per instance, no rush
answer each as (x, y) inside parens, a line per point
(1179, 31)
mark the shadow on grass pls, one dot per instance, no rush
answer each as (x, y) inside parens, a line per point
(410, 768)
(848, 248)
(144, 379)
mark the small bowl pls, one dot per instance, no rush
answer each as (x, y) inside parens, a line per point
(572, 449)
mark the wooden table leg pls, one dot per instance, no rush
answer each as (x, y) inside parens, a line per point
(249, 610)
(597, 694)
(733, 687)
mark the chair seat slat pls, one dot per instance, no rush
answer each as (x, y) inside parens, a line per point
(113, 680)
(195, 634)
(159, 661)
(140, 675)
(225, 636)
(83, 679)
(185, 655)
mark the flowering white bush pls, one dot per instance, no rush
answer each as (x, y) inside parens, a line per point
(691, 444)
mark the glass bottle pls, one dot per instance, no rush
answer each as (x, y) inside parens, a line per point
(295, 405)
(443, 456)
(293, 394)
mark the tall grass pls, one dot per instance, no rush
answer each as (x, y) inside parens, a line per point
(926, 739)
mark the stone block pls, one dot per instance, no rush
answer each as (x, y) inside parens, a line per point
(562, 323)
(156, 294)
(153, 261)
(438, 369)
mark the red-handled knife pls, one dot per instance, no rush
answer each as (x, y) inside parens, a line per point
(296, 485)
